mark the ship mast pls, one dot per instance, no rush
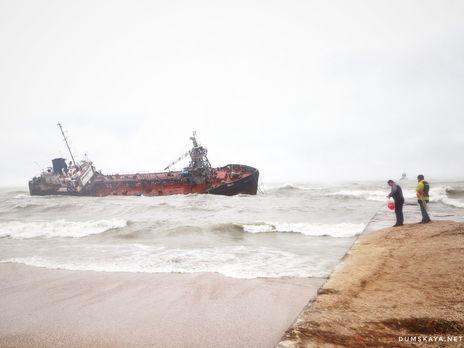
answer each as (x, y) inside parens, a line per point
(67, 144)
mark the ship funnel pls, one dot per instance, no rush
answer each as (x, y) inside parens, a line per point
(59, 166)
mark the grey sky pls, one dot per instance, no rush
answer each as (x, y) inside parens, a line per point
(302, 90)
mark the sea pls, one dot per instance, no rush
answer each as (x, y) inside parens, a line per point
(287, 230)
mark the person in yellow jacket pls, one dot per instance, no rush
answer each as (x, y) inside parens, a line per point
(422, 193)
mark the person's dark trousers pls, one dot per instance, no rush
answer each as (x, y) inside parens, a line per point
(425, 215)
(399, 213)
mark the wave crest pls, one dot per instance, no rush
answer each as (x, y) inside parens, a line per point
(370, 195)
(57, 228)
(455, 191)
(288, 188)
(230, 261)
(442, 194)
(341, 230)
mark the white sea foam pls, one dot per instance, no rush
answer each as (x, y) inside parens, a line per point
(288, 187)
(439, 194)
(453, 202)
(370, 195)
(236, 262)
(292, 187)
(57, 228)
(310, 229)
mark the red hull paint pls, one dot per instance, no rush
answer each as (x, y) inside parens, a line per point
(229, 180)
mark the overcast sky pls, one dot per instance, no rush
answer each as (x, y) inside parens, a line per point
(302, 90)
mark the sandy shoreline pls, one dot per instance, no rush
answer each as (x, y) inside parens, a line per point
(43, 307)
(397, 282)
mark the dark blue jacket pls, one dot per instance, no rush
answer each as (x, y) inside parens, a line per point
(397, 194)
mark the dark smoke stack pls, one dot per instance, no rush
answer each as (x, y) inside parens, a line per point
(58, 165)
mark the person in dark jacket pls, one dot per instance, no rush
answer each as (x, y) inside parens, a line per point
(397, 194)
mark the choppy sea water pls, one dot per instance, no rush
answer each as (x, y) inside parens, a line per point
(289, 230)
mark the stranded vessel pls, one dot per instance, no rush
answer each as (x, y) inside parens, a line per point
(82, 179)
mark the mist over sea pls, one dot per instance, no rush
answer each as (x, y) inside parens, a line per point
(288, 230)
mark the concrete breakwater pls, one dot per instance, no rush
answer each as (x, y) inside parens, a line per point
(396, 287)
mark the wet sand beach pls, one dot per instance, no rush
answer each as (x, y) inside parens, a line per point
(56, 308)
(394, 284)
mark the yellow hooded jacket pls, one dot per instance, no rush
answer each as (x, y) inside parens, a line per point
(420, 191)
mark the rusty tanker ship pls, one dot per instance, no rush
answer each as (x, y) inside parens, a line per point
(82, 179)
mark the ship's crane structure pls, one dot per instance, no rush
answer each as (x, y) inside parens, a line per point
(198, 157)
(177, 160)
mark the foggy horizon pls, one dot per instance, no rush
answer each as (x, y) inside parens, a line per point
(303, 91)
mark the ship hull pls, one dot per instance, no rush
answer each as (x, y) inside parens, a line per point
(230, 180)
(247, 185)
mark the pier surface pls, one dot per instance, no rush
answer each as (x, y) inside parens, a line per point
(396, 287)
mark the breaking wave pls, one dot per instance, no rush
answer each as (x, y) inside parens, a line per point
(231, 261)
(370, 195)
(19, 195)
(442, 194)
(341, 230)
(455, 192)
(288, 188)
(26, 206)
(30, 206)
(57, 228)
(446, 195)
(451, 202)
